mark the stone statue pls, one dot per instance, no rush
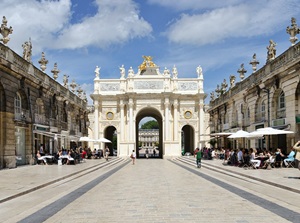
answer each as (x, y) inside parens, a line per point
(174, 72)
(147, 63)
(224, 86)
(293, 31)
(242, 71)
(212, 96)
(5, 31)
(254, 62)
(65, 80)
(122, 71)
(199, 71)
(27, 50)
(97, 72)
(166, 72)
(130, 72)
(271, 50)
(232, 81)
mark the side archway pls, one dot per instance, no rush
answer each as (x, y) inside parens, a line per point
(187, 139)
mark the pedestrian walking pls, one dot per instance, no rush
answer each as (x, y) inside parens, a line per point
(198, 154)
(106, 153)
(133, 156)
(147, 153)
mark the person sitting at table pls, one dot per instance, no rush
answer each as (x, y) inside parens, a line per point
(240, 156)
(41, 158)
(253, 159)
(70, 157)
(290, 157)
(269, 161)
(278, 157)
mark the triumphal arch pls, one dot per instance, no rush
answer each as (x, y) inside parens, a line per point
(176, 103)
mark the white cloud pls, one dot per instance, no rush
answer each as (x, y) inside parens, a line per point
(115, 23)
(38, 20)
(48, 25)
(193, 4)
(231, 22)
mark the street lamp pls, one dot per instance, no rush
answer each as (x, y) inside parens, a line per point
(267, 90)
(268, 94)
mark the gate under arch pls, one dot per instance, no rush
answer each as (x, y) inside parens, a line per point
(150, 112)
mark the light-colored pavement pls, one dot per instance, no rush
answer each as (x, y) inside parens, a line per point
(156, 190)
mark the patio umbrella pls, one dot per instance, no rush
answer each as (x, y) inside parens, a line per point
(85, 139)
(239, 134)
(102, 140)
(269, 131)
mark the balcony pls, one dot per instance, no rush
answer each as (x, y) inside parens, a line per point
(72, 132)
(64, 125)
(22, 116)
(260, 117)
(281, 113)
(53, 122)
(40, 119)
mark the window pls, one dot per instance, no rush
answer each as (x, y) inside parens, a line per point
(281, 101)
(263, 110)
(18, 104)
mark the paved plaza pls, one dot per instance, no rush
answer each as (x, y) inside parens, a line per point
(153, 190)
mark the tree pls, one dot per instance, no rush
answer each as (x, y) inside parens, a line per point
(153, 124)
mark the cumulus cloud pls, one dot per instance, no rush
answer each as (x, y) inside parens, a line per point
(48, 24)
(231, 22)
(116, 22)
(193, 4)
(38, 20)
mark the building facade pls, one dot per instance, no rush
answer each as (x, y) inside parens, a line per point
(35, 109)
(269, 97)
(177, 104)
(148, 138)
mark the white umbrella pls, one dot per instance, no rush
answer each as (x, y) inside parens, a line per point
(269, 131)
(103, 140)
(239, 134)
(85, 139)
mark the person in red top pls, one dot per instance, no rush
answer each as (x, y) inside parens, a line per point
(83, 155)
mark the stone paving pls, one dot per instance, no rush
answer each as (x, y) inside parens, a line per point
(153, 190)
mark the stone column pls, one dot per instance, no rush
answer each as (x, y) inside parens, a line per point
(130, 104)
(122, 120)
(201, 124)
(167, 129)
(175, 120)
(96, 133)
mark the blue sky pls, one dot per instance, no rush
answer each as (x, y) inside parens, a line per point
(81, 34)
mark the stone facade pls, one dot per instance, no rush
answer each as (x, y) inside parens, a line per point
(177, 104)
(270, 96)
(34, 110)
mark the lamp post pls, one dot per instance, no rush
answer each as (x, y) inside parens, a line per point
(266, 90)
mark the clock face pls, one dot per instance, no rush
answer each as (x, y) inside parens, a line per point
(188, 114)
(109, 115)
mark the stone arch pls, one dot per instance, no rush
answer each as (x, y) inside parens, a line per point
(156, 114)
(109, 133)
(188, 139)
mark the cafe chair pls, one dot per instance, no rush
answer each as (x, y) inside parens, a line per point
(290, 163)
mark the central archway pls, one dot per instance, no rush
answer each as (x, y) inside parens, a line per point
(150, 112)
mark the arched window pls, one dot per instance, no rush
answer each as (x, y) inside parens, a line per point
(281, 101)
(281, 106)
(18, 104)
(263, 110)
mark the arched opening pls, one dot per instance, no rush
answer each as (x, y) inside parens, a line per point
(111, 134)
(187, 140)
(149, 139)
